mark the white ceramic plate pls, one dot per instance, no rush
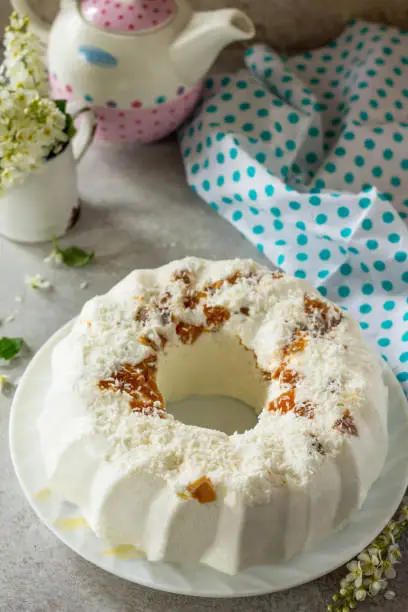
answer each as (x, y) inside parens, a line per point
(65, 521)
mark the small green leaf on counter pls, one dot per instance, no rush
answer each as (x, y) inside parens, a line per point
(10, 347)
(73, 256)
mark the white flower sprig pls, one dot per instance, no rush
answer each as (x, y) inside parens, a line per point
(374, 566)
(33, 127)
(23, 65)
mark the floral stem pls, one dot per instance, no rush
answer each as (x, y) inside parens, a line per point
(370, 571)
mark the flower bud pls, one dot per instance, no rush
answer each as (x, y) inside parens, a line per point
(360, 594)
(375, 587)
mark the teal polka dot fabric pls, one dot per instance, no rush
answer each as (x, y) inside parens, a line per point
(308, 158)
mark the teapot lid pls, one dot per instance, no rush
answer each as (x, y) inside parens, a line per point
(127, 16)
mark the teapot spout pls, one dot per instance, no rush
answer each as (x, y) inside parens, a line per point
(207, 33)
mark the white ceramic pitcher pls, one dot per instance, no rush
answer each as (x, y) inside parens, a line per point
(46, 203)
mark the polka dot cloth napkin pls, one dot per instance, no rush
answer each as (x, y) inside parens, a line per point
(308, 158)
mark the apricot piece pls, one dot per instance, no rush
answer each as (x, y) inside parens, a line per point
(187, 333)
(284, 403)
(216, 315)
(202, 490)
(346, 424)
(138, 381)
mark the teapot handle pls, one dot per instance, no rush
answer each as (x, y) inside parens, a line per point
(86, 131)
(39, 27)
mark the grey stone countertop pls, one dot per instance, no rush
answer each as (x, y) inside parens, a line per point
(137, 212)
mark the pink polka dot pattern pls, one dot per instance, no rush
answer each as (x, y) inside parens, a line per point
(136, 124)
(145, 124)
(127, 16)
(58, 91)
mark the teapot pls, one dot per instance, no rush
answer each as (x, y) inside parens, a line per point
(138, 63)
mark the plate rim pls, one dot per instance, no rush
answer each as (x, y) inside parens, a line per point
(98, 562)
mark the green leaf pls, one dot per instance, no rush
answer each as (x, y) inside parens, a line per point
(73, 256)
(10, 347)
(61, 105)
(70, 127)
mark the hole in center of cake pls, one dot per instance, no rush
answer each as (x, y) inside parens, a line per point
(214, 382)
(218, 412)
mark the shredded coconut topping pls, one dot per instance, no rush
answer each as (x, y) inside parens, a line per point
(321, 379)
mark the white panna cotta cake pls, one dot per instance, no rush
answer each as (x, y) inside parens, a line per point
(189, 494)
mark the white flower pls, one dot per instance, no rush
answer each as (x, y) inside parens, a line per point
(3, 382)
(378, 573)
(24, 57)
(360, 594)
(32, 127)
(368, 574)
(404, 510)
(364, 557)
(356, 572)
(366, 563)
(38, 282)
(376, 586)
(31, 130)
(394, 553)
(54, 258)
(390, 573)
(374, 555)
(345, 582)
